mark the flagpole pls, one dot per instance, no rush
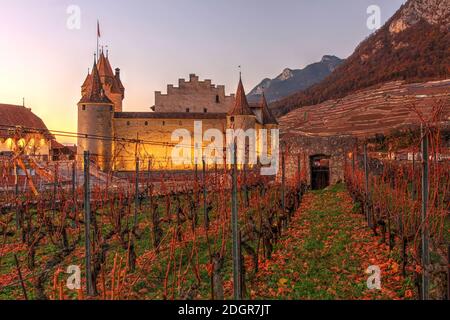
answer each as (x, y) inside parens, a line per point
(97, 35)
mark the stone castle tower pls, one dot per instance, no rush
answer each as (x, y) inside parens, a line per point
(116, 138)
(102, 94)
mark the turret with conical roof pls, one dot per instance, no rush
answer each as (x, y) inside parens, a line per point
(94, 91)
(241, 106)
(241, 116)
(267, 116)
(110, 82)
(95, 120)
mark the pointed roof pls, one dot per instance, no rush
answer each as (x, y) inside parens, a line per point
(107, 75)
(88, 81)
(95, 93)
(267, 116)
(241, 107)
(104, 67)
(119, 82)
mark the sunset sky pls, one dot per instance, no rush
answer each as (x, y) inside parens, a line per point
(155, 42)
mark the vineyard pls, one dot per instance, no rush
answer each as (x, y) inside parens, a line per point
(407, 203)
(152, 236)
(215, 232)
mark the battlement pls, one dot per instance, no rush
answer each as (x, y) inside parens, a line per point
(194, 96)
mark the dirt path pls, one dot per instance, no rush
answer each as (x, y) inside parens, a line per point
(325, 253)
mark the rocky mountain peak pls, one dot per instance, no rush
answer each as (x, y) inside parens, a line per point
(435, 12)
(286, 74)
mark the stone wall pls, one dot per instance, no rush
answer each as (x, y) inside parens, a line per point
(194, 96)
(336, 148)
(156, 134)
(96, 120)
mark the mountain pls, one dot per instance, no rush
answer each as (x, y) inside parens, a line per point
(412, 46)
(291, 81)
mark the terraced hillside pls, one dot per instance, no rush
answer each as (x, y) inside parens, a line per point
(367, 112)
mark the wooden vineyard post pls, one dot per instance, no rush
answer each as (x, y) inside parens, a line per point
(136, 194)
(74, 183)
(424, 223)
(283, 182)
(299, 173)
(366, 186)
(148, 174)
(235, 231)
(413, 184)
(55, 184)
(448, 272)
(16, 195)
(244, 183)
(87, 224)
(74, 191)
(205, 209)
(353, 165)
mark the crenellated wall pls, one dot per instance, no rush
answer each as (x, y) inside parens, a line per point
(194, 95)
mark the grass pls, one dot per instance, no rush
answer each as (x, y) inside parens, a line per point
(320, 253)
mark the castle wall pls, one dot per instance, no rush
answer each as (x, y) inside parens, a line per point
(96, 120)
(194, 95)
(157, 146)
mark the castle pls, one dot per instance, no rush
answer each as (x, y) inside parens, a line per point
(115, 138)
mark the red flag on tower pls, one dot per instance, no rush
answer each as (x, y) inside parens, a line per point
(98, 29)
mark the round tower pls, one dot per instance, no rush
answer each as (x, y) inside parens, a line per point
(95, 121)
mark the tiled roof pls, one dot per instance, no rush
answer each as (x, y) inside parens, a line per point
(107, 76)
(104, 67)
(241, 107)
(267, 116)
(95, 92)
(169, 115)
(12, 115)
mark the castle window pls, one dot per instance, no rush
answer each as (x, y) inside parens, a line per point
(146, 123)
(232, 119)
(205, 110)
(217, 99)
(83, 107)
(188, 110)
(164, 123)
(128, 123)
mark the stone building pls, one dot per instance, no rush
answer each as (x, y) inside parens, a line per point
(116, 138)
(322, 158)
